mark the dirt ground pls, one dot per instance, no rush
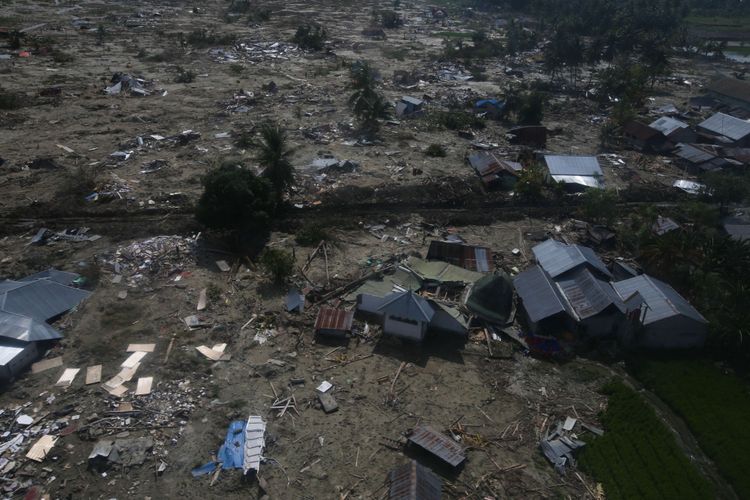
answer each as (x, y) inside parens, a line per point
(502, 403)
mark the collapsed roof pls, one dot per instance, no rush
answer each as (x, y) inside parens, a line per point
(557, 258)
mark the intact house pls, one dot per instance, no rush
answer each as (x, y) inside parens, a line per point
(644, 138)
(26, 309)
(727, 130)
(674, 130)
(576, 172)
(731, 92)
(494, 172)
(669, 321)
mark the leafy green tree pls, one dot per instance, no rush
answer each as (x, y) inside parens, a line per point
(531, 109)
(726, 188)
(274, 155)
(530, 184)
(310, 36)
(278, 263)
(368, 105)
(600, 205)
(234, 199)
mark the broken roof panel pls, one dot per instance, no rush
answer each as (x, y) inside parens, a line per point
(541, 297)
(24, 328)
(587, 295)
(689, 187)
(441, 272)
(557, 258)
(581, 180)
(662, 300)
(469, 257)
(438, 444)
(334, 319)
(666, 125)
(41, 299)
(400, 280)
(664, 225)
(726, 125)
(731, 87)
(693, 154)
(573, 165)
(414, 482)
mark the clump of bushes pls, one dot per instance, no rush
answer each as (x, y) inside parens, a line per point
(387, 18)
(435, 150)
(9, 100)
(206, 38)
(184, 75)
(311, 235)
(279, 263)
(458, 120)
(310, 36)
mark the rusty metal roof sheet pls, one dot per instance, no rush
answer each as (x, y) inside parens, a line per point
(438, 444)
(469, 257)
(414, 482)
(334, 319)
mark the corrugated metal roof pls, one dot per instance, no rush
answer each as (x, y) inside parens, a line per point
(587, 295)
(641, 131)
(414, 482)
(689, 186)
(412, 100)
(334, 319)
(581, 180)
(407, 305)
(438, 444)
(740, 232)
(42, 299)
(539, 294)
(16, 326)
(557, 258)
(726, 125)
(62, 277)
(664, 225)
(401, 280)
(693, 154)
(489, 167)
(573, 165)
(469, 257)
(666, 125)
(662, 300)
(8, 353)
(731, 87)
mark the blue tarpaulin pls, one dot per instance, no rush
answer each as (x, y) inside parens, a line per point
(483, 103)
(232, 452)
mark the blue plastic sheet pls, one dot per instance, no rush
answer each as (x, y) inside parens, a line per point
(232, 452)
(204, 469)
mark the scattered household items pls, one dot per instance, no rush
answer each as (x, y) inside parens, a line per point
(121, 451)
(576, 172)
(560, 443)
(144, 260)
(253, 51)
(76, 235)
(438, 444)
(124, 82)
(413, 481)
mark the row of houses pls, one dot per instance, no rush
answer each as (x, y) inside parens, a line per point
(569, 299)
(27, 307)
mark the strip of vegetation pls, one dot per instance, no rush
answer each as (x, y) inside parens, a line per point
(637, 457)
(715, 406)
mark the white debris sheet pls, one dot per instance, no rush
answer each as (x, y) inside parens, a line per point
(144, 386)
(255, 442)
(40, 449)
(134, 359)
(67, 377)
(93, 374)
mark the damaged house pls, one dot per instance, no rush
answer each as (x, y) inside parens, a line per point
(576, 172)
(26, 309)
(568, 291)
(494, 172)
(731, 92)
(642, 137)
(727, 130)
(674, 130)
(469, 257)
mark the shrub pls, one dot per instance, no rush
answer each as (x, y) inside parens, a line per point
(61, 57)
(311, 235)
(310, 36)
(388, 18)
(9, 100)
(279, 263)
(184, 75)
(206, 38)
(435, 150)
(458, 120)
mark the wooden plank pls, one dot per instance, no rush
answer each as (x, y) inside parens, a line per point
(141, 348)
(134, 359)
(67, 377)
(93, 374)
(144, 386)
(46, 364)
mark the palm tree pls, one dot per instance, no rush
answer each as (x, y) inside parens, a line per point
(274, 156)
(367, 104)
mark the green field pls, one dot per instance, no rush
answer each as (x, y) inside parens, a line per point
(716, 407)
(637, 457)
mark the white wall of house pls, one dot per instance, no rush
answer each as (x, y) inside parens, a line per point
(19, 362)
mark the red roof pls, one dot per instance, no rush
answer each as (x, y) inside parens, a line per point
(334, 319)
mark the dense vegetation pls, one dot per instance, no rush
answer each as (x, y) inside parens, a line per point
(637, 457)
(715, 406)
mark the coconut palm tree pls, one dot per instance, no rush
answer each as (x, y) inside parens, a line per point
(274, 155)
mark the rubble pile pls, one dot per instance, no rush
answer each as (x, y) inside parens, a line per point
(161, 256)
(124, 82)
(255, 52)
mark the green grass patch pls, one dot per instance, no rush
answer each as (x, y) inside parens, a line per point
(637, 457)
(715, 406)
(738, 50)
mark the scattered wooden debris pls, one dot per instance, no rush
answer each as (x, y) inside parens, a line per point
(215, 353)
(67, 377)
(41, 448)
(46, 364)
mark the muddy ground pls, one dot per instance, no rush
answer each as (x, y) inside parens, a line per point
(503, 402)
